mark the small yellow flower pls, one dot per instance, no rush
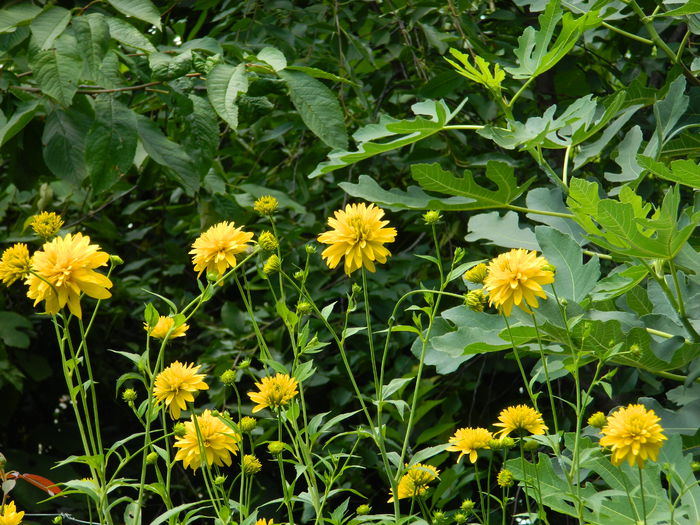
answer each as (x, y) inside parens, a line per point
(415, 481)
(505, 478)
(64, 269)
(247, 424)
(634, 434)
(15, 264)
(263, 521)
(468, 440)
(46, 224)
(160, 330)
(274, 392)
(516, 278)
(598, 420)
(251, 465)
(520, 419)
(267, 241)
(359, 235)
(176, 384)
(266, 205)
(476, 300)
(476, 274)
(218, 442)
(215, 250)
(9, 514)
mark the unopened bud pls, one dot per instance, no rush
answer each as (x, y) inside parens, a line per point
(251, 465)
(151, 458)
(275, 447)
(303, 308)
(431, 217)
(267, 241)
(247, 424)
(598, 420)
(505, 478)
(129, 396)
(476, 274)
(363, 510)
(179, 430)
(228, 378)
(116, 260)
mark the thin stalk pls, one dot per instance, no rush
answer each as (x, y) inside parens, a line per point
(478, 487)
(522, 465)
(540, 212)
(368, 321)
(546, 375)
(565, 168)
(641, 491)
(533, 399)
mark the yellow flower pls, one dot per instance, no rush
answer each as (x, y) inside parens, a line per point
(176, 384)
(415, 481)
(477, 274)
(15, 263)
(263, 521)
(634, 434)
(218, 442)
(46, 224)
(9, 515)
(267, 241)
(251, 465)
(64, 268)
(520, 419)
(516, 278)
(274, 392)
(215, 250)
(359, 235)
(468, 441)
(266, 205)
(160, 330)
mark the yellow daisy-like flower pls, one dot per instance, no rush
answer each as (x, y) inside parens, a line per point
(468, 441)
(15, 263)
(634, 434)
(176, 384)
(274, 392)
(359, 235)
(9, 515)
(263, 521)
(415, 481)
(160, 330)
(64, 268)
(266, 205)
(476, 274)
(218, 442)
(215, 250)
(46, 224)
(520, 419)
(516, 278)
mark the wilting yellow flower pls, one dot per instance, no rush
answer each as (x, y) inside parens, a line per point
(415, 481)
(263, 521)
(215, 250)
(359, 235)
(64, 268)
(9, 515)
(266, 205)
(46, 224)
(520, 419)
(274, 392)
(476, 274)
(15, 263)
(634, 434)
(176, 384)
(218, 442)
(160, 330)
(516, 278)
(468, 441)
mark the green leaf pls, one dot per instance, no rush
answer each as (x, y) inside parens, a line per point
(668, 112)
(433, 178)
(618, 283)
(141, 9)
(320, 73)
(691, 7)
(318, 107)
(627, 157)
(12, 329)
(21, 117)
(111, 142)
(128, 35)
(501, 230)
(167, 153)
(574, 280)
(169, 67)
(92, 34)
(202, 136)
(224, 84)
(16, 16)
(58, 70)
(273, 57)
(685, 171)
(48, 26)
(64, 139)
(401, 133)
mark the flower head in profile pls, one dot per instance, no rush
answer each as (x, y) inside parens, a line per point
(218, 442)
(63, 269)
(9, 514)
(415, 481)
(520, 419)
(274, 391)
(176, 384)
(476, 274)
(46, 224)
(164, 324)
(516, 278)
(358, 234)
(634, 434)
(15, 263)
(215, 250)
(468, 440)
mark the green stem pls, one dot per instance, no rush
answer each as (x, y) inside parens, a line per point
(533, 399)
(540, 212)
(565, 168)
(517, 95)
(628, 35)
(641, 492)
(368, 321)
(522, 465)
(546, 375)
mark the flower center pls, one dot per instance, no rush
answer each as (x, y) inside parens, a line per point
(361, 231)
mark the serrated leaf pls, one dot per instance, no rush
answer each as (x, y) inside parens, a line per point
(202, 137)
(111, 142)
(169, 67)
(273, 57)
(48, 26)
(58, 70)
(64, 140)
(128, 35)
(141, 9)
(92, 34)
(691, 7)
(17, 15)
(318, 107)
(224, 84)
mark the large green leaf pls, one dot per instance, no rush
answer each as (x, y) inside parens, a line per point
(318, 107)
(202, 137)
(58, 70)
(169, 67)
(64, 139)
(21, 117)
(92, 33)
(141, 9)
(224, 84)
(685, 171)
(668, 111)
(128, 35)
(48, 26)
(17, 15)
(501, 230)
(111, 143)
(273, 57)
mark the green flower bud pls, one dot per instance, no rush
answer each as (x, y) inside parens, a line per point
(219, 480)
(467, 505)
(151, 458)
(129, 396)
(363, 510)
(303, 308)
(179, 430)
(598, 420)
(251, 465)
(116, 260)
(247, 424)
(431, 217)
(275, 447)
(228, 378)
(505, 478)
